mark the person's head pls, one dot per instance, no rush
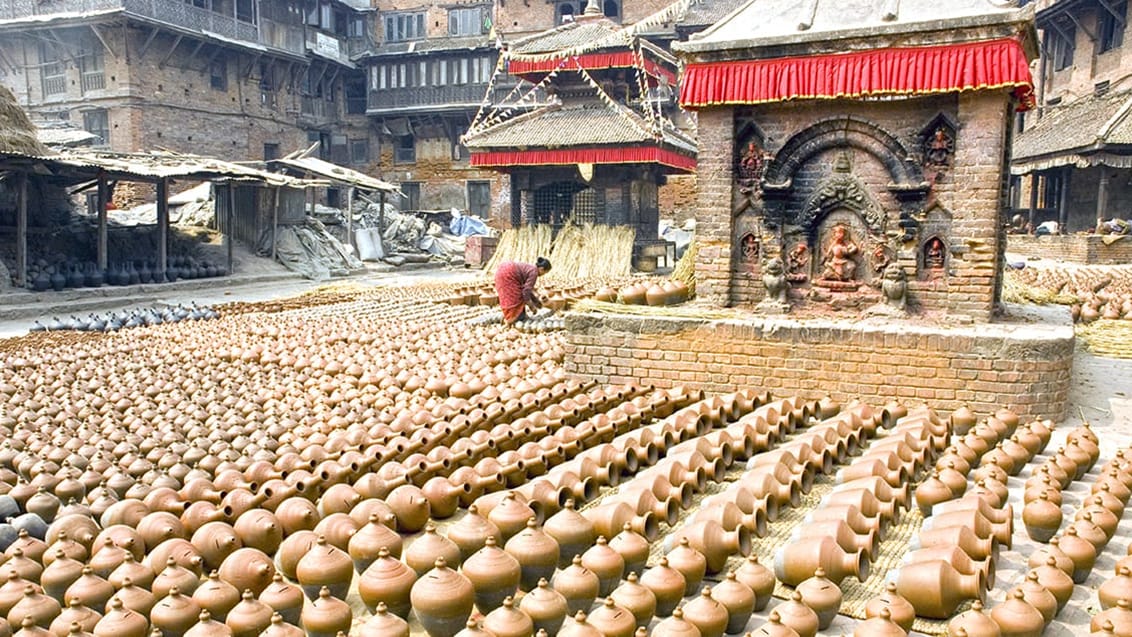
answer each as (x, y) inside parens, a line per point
(543, 265)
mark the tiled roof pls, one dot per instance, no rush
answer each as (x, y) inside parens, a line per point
(1087, 123)
(582, 123)
(432, 45)
(704, 13)
(567, 36)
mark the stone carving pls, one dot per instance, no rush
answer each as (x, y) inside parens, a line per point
(774, 278)
(750, 249)
(938, 148)
(895, 286)
(799, 263)
(842, 190)
(752, 164)
(935, 257)
(839, 257)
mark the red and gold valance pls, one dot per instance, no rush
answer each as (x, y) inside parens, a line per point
(895, 71)
(589, 62)
(564, 156)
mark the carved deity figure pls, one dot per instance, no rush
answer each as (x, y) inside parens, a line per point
(751, 163)
(895, 286)
(799, 262)
(774, 278)
(838, 258)
(750, 248)
(934, 258)
(938, 151)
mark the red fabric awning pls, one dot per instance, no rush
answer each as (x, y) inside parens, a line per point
(564, 156)
(896, 71)
(589, 62)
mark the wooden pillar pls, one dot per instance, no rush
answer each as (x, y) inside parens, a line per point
(1033, 198)
(22, 230)
(1102, 196)
(350, 218)
(162, 188)
(381, 213)
(1063, 201)
(229, 221)
(275, 225)
(103, 201)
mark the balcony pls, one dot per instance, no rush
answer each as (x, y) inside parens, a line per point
(422, 98)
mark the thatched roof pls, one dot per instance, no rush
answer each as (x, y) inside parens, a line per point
(17, 133)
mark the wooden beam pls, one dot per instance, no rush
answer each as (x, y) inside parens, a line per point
(251, 65)
(350, 218)
(172, 50)
(102, 39)
(1113, 12)
(199, 46)
(148, 41)
(230, 229)
(103, 199)
(22, 230)
(162, 226)
(275, 226)
(1077, 21)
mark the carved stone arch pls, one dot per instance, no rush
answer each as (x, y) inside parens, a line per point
(842, 132)
(841, 191)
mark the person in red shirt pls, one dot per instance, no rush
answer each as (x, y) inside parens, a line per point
(515, 285)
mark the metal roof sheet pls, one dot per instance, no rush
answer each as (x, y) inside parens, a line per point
(334, 172)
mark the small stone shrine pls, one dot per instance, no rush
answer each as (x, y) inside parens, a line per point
(846, 139)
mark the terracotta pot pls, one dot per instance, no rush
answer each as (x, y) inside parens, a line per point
(1081, 551)
(1036, 595)
(1042, 518)
(215, 541)
(609, 519)
(573, 532)
(794, 614)
(1016, 618)
(174, 614)
(442, 600)
(470, 533)
(612, 621)
(296, 514)
(900, 610)
(293, 549)
(962, 562)
(536, 552)
(796, 561)
(327, 616)
(249, 617)
(839, 530)
(973, 520)
(935, 589)
(385, 623)
(172, 575)
(707, 614)
(974, 622)
(636, 598)
(216, 596)
(961, 536)
(1118, 617)
(738, 599)
(668, 584)
(1061, 561)
(546, 607)
(389, 581)
(411, 507)
(121, 622)
(259, 529)
(676, 626)
(494, 574)
(716, 544)
(691, 563)
(59, 575)
(247, 569)
(822, 595)
(507, 621)
(759, 578)
(606, 563)
(1115, 588)
(633, 548)
(365, 545)
(510, 516)
(421, 554)
(1055, 581)
(443, 496)
(75, 613)
(579, 585)
(283, 598)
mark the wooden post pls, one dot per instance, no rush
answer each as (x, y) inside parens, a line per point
(350, 218)
(1102, 196)
(1063, 200)
(229, 220)
(103, 201)
(275, 225)
(162, 227)
(1033, 198)
(381, 213)
(22, 230)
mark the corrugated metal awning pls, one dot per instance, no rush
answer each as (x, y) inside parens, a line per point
(334, 173)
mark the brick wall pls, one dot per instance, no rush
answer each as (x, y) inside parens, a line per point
(713, 206)
(1025, 368)
(1076, 248)
(677, 198)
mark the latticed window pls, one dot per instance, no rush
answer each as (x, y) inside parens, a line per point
(92, 64)
(52, 72)
(404, 26)
(468, 21)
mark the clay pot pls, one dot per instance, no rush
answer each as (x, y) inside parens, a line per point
(774, 628)
(1016, 618)
(174, 614)
(247, 569)
(578, 584)
(121, 622)
(974, 520)
(296, 514)
(1036, 595)
(759, 578)
(668, 584)
(259, 529)
(59, 575)
(442, 600)
(794, 614)
(606, 563)
(389, 581)
(1041, 556)
(249, 617)
(470, 533)
(706, 614)
(364, 545)
(506, 621)
(935, 589)
(135, 598)
(1119, 617)
(536, 552)
(138, 573)
(208, 627)
(328, 616)
(172, 575)
(1115, 588)
(411, 507)
(546, 607)
(216, 596)
(900, 610)
(633, 548)
(41, 608)
(974, 622)
(1055, 581)
(798, 560)
(714, 543)
(931, 492)
(573, 532)
(75, 612)
(961, 536)
(421, 554)
(284, 599)
(738, 599)
(443, 496)
(822, 595)
(494, 574)
(640, 600)
(1081, 551)
(384, 623)
(612, 621)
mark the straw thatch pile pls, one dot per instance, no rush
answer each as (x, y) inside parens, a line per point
(577, 252)
(17, 133)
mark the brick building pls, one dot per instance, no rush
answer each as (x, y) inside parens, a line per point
(241, 79)
(1073, 154)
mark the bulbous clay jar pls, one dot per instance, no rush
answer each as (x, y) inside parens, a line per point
(935, 588)
(422, 552)
(1016, 618)
(216, 596)
(120, 621)
(822, 595)
(327, 616)
(633, 547)
(411, 507)
(690, 562)
(759, 578)
(613, 621)
(796, 615)
(442, 600)
(510, 516)
(667, 584)
(974, 622)
(879, 626)
(536, 552)
(1081, 551)
(284, 599)
(247, 569)
(494, 574)
(738, 599)
(676, 626)
(174, 614)
(369, 540)
(635, 598)
(900, 610)
(250, 617)
(578, 584)
(716, 544)
(606, 563)
(508, 621)
(470, 533)
(1055, 581)
(1115, 588)
(546, 607)
(798, 560)
(85, 617)
(389, 581)
(1042, 518)
(573, 532)
(1036, 595)
(1119, 616)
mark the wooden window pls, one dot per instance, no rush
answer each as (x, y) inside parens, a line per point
(1110, 25)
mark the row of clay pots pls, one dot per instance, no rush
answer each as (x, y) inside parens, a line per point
(1042, 514)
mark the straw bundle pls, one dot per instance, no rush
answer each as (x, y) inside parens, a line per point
(578, 252)
(1015, 290)
(521, 244)
(17, 133)
(666, 311)
(685, 270)
(1107, 337)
